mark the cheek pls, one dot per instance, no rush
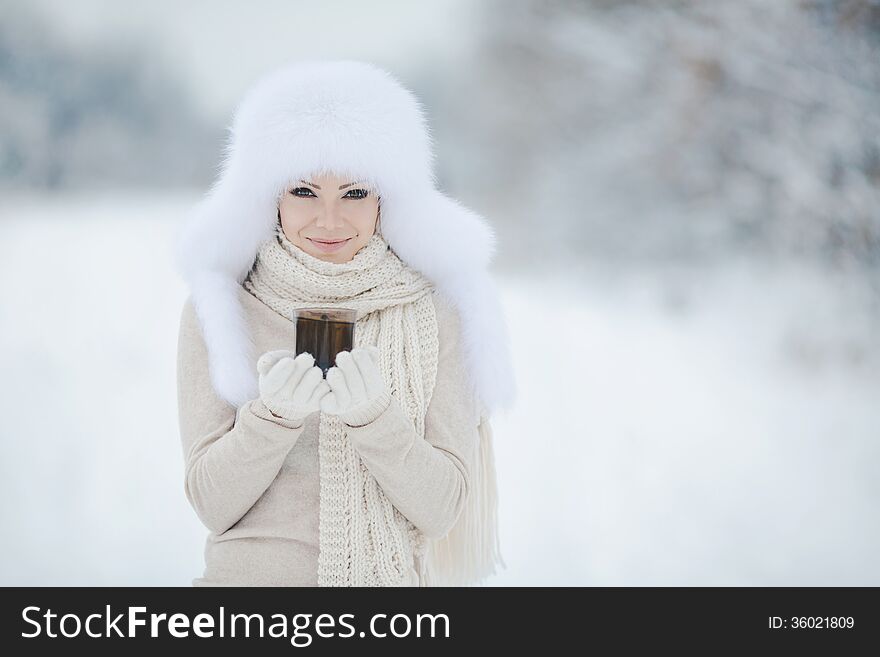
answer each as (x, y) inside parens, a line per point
(365, 216)
(294, 216)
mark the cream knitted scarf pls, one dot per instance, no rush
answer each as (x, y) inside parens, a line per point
(364, 539)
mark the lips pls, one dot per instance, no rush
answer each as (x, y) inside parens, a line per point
(328, 245)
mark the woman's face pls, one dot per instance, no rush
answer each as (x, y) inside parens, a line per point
(326, 209)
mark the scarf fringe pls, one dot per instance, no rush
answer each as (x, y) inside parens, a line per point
(471, 551)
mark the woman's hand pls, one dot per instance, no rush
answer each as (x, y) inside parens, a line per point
(358, 393)
(291, 386)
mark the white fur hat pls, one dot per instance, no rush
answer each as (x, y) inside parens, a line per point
(354, 119)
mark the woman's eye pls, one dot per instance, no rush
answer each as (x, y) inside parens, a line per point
(358, 193)
(305, 191)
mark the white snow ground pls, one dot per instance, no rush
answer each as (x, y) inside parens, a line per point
(713, 427)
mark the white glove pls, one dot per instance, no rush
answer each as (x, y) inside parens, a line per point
(358, 393)
(291, 386)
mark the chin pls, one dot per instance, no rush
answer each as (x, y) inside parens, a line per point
(342, 256)
(334, 257)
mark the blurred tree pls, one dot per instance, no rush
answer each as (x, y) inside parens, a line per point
(106, 116)
(642, 129)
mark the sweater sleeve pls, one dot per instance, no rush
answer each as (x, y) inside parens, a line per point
(230, 456)
(428, 478)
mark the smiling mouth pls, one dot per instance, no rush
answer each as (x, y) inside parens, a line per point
(326, 246)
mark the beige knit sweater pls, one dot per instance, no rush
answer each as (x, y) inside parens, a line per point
(253, 479)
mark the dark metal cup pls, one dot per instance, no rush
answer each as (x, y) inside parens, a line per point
(324, 332)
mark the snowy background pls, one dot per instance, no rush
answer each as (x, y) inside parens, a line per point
(687, 200)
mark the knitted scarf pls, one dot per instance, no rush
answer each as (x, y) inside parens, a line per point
(364, 539)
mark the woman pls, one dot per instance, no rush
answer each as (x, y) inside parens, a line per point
(382, 474)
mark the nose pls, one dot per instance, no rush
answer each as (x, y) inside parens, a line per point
(329, 218)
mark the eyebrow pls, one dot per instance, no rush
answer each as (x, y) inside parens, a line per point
(318, 187)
